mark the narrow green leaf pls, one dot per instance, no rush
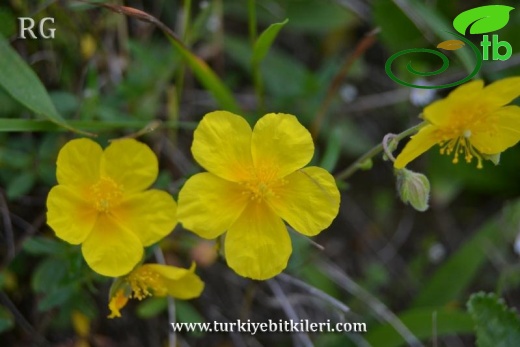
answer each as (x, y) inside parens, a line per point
(207, 78)
(455, 275)
(23, 125)
(424, 324)
(432, 19)
(22, 84)
(333, 150)
(483, 19)
(265, 40)
(496, 324)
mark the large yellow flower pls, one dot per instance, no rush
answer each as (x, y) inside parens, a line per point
(154, 280)
(472, 121)
(101, 202)
(256, 178)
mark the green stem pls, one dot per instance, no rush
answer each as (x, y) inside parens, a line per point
(252, 20)
(257, 78)
(349, 171)
(186, 21)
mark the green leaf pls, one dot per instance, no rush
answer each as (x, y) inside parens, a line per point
(483, 19)
(6, 320)
(449, 282)
(496, 324)
(38, 245)
(21, 185)
(22, 84)
(186, 313)
(264, 42)
(151, 307)
(207, 78)
(56, 298)
(48, 275)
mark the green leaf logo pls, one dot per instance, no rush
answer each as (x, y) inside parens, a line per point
(483, 19)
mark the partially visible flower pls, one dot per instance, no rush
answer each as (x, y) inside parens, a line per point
(101, 202)
(256, 180)
(81, 325)
(154, 280)
(472, 121)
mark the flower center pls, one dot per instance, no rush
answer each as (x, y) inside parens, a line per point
(262, 184)
(258, 190)
(106, 194)
(461, 145)
(145, 283)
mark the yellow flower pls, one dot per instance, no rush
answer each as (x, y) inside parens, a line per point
(154, 280)
(256, 178)
(101, 202)
(472, 121)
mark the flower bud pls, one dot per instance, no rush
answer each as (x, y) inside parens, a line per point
(413, 188)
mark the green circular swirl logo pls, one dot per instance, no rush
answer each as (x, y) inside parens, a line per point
(479, 20)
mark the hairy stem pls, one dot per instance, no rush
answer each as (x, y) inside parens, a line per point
(349, 171)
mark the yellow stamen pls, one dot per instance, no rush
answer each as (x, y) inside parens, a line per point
(145, 283)
(106, 194)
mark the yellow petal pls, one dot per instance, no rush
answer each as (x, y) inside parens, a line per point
(419, 143)
(280, 145)
(78, 163)
(131, 164)
(467, 90)
(180, 283)
(117, 302)
(498, 132)
(442, 112)
(308, 201)
(222, 145)
(111, 250)
(209, 205)
(151, 215)
(503, 91)
(71, 217)
(258, 244)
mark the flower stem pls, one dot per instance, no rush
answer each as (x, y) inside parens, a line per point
(349, 171)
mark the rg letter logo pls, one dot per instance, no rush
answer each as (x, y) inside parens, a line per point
(26, 26)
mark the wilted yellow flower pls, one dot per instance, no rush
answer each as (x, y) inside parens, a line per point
(101, 202)
(472, 121)
(154, 280)
(255, 181)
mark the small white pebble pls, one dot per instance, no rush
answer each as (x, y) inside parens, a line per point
(421, 97)
(516, 246)
(348, 93)
(436, 253)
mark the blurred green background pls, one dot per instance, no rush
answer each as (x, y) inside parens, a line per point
(407, 275)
